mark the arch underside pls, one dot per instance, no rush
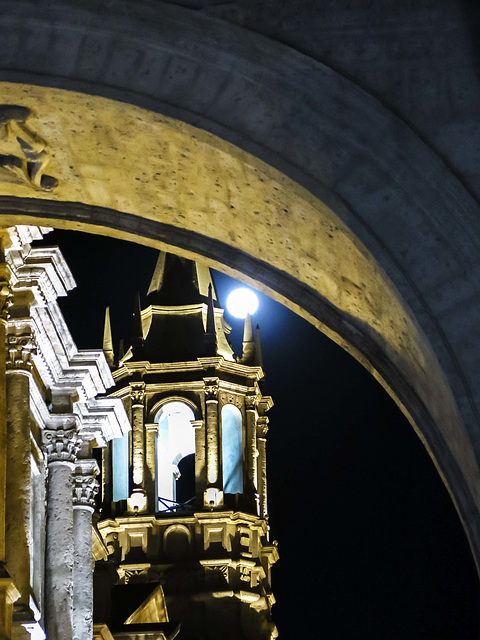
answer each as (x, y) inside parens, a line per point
(273, 168)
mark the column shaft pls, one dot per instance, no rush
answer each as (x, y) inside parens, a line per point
(138, 439)
(83, 574)
(59, 553)
(19, 490)
(212, 441)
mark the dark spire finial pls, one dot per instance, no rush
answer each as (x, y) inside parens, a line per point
(210, 333)
(258, 360)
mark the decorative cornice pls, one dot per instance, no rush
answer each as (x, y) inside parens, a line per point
(102, 420)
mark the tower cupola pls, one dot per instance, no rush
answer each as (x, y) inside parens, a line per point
(187, 486)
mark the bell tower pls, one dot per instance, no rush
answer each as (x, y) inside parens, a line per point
(183, 547)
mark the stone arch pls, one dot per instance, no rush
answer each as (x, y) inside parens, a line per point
(387, 230)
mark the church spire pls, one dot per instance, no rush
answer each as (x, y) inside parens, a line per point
(107, 340)
(258, 361)
(248, 347)
(210, 333)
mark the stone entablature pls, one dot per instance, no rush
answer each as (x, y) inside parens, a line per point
(232, 543)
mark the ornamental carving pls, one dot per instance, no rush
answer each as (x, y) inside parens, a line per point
(262, 426)
(251, 402)
(24, 156)
(211, 389)
(61, 445)
(85, 488)
(137, 393)
(20, 349)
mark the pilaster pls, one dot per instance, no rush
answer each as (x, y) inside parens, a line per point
(251, 445)
(262, 429)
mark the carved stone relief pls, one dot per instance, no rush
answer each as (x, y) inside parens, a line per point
(23, 153)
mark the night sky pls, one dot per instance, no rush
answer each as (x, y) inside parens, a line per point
(370, 544)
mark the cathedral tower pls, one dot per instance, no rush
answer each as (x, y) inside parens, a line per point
(184, 549)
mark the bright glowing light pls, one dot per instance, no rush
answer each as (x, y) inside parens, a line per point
(242, 301)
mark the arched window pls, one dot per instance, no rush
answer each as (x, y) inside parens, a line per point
(175, 441)
(232, 449)
(120, 467)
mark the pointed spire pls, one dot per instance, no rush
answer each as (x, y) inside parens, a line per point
(107, 340)
(248, 347)
(258, 359)
(121, 349)
(137, 330)
(210, 333)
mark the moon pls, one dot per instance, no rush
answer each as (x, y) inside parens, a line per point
(242, 301)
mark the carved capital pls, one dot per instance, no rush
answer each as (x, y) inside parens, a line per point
(262, 426)
(251, 402)
(211, 389)
(20, 348)
(137, 392)
(62, 444)
(85, 484)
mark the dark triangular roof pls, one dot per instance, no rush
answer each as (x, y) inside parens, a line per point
(178, 281)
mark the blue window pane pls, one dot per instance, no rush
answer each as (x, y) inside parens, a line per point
(120, 468)
(232, 449)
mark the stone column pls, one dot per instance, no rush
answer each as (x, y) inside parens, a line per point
(61, 444)
(85, 488)
(19, 491)
(8, 592)
(211, 432)
(251, 448)
(262, 428)
(138, 434)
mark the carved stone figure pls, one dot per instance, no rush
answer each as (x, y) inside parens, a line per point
(31, 160)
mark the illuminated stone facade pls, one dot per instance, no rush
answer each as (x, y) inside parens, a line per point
(198, 565)
(49, 423)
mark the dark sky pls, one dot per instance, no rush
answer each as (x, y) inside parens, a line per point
(370, 544)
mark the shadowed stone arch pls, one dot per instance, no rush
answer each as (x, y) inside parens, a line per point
(327, 199)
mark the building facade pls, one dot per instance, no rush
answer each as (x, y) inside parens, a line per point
(50, 422)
